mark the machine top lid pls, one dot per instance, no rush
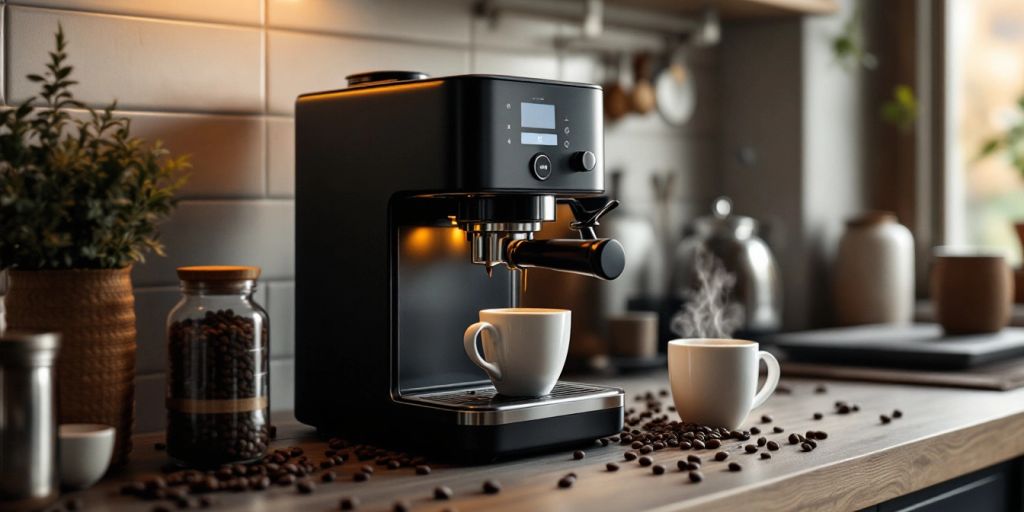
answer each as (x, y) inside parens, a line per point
(380, 77)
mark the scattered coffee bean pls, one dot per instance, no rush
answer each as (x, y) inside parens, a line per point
(821, 435)
(442, 492)
(566, 481)
(721, 455)
(806, 447)
(693, 458)
(750, 448)
(611, 466)
(820, 388)
(855, 408)
(766, 418)
(698, 444)
(885, 419)
(645, 449)
(492, 487)
(766, 455)
(794, 438)
(306, 487)
(735, 466)
(629, 456)
(401, 506)
(360, 477)
(761, 441)
(696, 476)
(843, 409)
(348, 503)
(658, 469)
(778, 430)
(286, 480)
(328, 476)
(422, 469)
(646, 461)
(755, 431)
(368, 469)
(897, 414)
(772, 445)
(812, 443)
(578, 455)
(818, 415)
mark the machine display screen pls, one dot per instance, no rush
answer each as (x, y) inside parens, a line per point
(537, 115)
(542, 139)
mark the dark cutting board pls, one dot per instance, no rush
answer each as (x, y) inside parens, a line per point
(902, 346)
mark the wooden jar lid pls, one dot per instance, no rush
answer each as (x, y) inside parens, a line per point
(218, 273)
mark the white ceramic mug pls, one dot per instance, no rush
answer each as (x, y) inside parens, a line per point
(714, 381)
(524, 349)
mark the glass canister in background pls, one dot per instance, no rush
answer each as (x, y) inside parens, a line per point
(28, 420)
(218, 368)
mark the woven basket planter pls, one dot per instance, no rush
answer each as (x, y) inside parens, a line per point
(94, 310)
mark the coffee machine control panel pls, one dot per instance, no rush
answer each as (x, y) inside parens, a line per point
(546, 135)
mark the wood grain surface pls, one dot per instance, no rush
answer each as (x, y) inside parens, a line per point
(943, 433)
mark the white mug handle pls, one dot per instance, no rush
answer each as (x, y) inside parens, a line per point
(469, 341)
(770, 381)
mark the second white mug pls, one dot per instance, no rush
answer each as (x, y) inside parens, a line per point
(524, 349)
(714, 381)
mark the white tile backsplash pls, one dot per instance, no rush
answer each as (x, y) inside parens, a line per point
(245, 12)
(144, 64)
(281, 156)
(150, 392)
(495, 62)
(280, 304)
(299, 63)
(260, 233)
(437, 20)
(218, 80)
(227, 152)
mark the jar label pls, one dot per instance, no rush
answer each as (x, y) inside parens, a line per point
(217, 406)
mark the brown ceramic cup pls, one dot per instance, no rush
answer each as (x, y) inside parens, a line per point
(972, 293)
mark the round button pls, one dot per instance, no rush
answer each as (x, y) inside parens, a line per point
(540, 165)
(584, 161)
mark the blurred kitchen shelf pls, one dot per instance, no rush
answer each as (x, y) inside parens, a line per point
(737, 9)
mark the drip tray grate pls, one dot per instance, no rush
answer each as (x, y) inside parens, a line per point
(487, 396)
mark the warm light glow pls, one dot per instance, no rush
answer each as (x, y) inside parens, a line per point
(418, 241)
(456, 240)
(371, 90)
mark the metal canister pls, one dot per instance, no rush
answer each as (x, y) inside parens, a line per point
(29, 477)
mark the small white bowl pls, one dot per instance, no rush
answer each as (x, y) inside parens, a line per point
(85, 451)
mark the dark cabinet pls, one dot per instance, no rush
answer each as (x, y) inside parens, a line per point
(999, 488)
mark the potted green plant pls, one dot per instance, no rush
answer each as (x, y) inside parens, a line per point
(80, 200)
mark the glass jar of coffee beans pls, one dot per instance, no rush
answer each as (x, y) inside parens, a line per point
(218, 363)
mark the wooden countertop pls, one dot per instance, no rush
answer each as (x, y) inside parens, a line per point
(944, 433)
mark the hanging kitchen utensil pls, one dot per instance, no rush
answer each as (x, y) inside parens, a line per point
(676, 90)
(616, 99)
(642, 95)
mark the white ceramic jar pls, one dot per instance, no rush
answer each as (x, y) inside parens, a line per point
(874, 273)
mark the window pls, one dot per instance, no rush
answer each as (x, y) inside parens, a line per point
(984, 76)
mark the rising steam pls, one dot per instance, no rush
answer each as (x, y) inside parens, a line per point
(707, 310)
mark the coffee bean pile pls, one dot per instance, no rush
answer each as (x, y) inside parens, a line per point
(219, 356)
(649, 429)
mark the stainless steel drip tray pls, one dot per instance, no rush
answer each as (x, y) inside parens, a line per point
(482, 405)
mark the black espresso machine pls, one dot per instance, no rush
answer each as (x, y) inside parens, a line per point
(405, 187)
